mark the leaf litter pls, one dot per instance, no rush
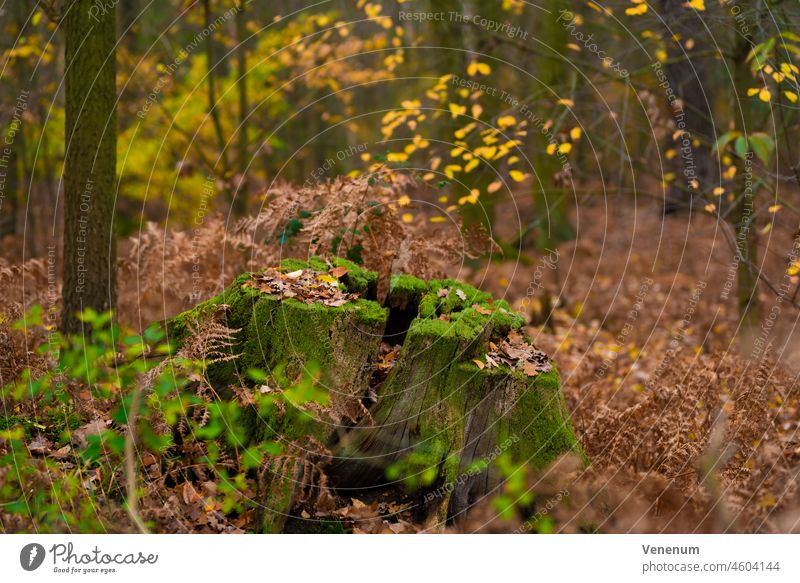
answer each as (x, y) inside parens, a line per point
(305, 285)
(516, 353)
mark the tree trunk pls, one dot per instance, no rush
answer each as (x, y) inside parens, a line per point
(688, 78)
(241, 193)
(744, 217)
(90, 165)
(213, 106)
(550, 196)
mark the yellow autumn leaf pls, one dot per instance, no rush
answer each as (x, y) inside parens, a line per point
(575, 133)
(791, 96)
(476, 67)
(566, 102)
(451, 169)
(404, 200)
(407, 217)
(637, 10)
(764, 95)
(420, 142)
(565, 148)
(494, 186)
(456, 109)
(471, 165)
(698, 5)
(517, 176)
(506, 121)
(775, 208)
(551, 149)
(462, 132)
(372, 10)
(472, 198)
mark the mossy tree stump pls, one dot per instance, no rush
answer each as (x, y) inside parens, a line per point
(439, 413)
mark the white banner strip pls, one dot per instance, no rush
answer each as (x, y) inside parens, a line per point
(401, 559)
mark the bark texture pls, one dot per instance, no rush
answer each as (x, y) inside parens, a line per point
(91, 160)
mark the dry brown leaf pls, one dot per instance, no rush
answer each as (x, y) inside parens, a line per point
(531, 369)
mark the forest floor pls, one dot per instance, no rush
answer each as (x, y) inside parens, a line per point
(685, 431)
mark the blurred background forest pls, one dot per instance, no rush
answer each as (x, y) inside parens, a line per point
(624, 173)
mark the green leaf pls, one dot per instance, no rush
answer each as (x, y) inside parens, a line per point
(762, 145)
(726, 139)
(740, 145)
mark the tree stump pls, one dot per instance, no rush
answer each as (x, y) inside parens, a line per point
(463, 388)
(448, 404)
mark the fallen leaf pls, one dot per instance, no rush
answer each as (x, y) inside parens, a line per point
(81, 435)
(189, 493)
(148, 459)
(40, 445)
(530, 368)
(62, 452)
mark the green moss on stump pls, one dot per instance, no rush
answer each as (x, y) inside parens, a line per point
(438, 413)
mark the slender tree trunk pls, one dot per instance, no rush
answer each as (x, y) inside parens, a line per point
(13, 158)
(550, 197)
(128, 13)
(744, 215)
(213, 109)
(240, 200)
(91, 158)
(688, 78)
(9, 167)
